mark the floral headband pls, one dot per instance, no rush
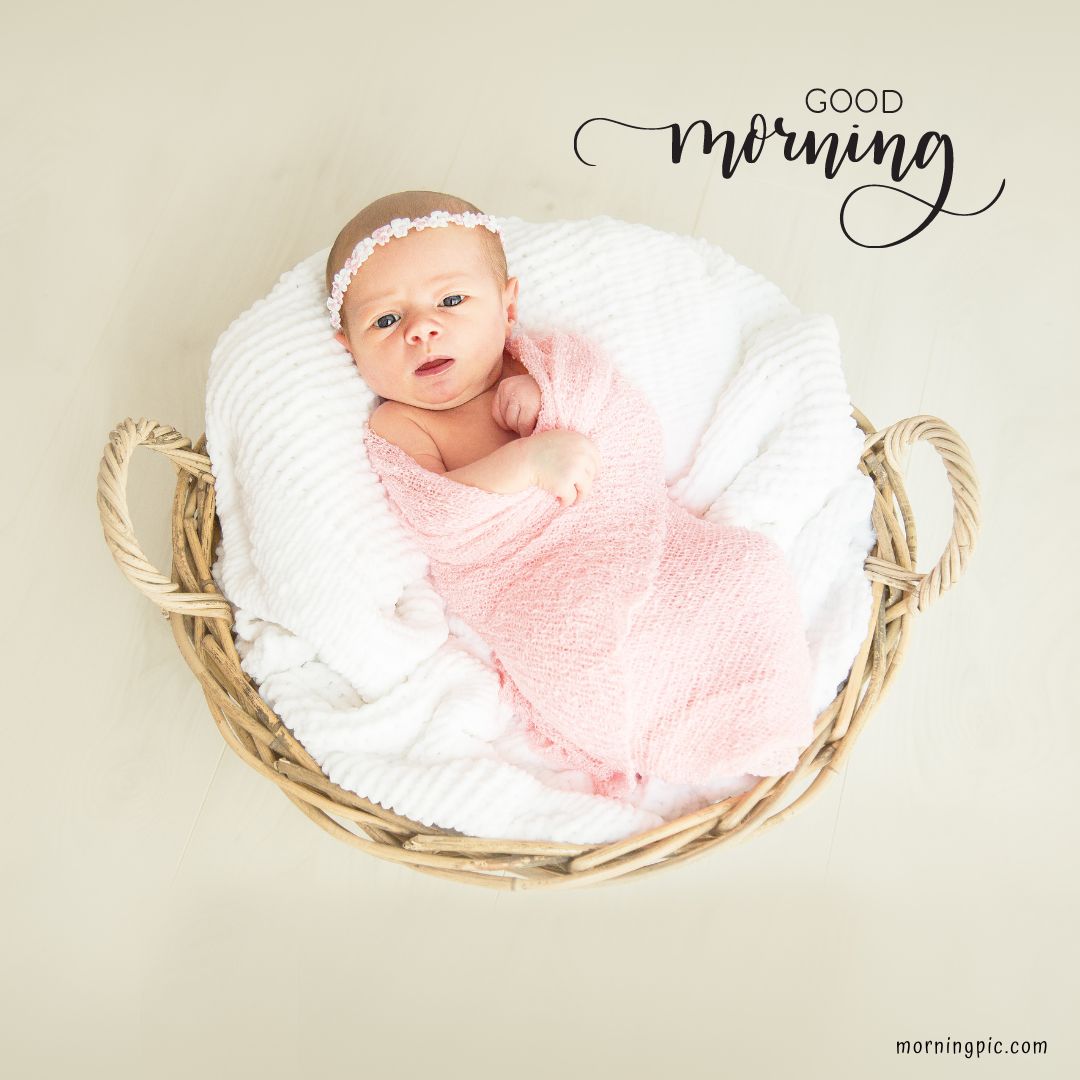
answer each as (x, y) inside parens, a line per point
(437, 219)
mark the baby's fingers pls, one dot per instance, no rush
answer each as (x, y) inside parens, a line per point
(504, 408)
(566, 494)
(575, 492)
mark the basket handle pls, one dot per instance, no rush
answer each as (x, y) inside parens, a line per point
(119, 532)
(960, 469)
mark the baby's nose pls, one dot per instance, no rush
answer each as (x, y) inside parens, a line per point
(421, 328)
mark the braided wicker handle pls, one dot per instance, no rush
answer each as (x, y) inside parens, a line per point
(926, 588)
(119, 532)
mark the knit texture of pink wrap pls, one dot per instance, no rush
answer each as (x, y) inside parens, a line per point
(634, 638)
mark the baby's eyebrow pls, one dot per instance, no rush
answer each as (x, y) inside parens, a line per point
(363, 304)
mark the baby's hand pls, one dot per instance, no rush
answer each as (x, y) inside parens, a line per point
(564, 462)
(516, 404)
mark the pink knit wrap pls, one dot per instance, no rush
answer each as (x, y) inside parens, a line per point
(634, 638)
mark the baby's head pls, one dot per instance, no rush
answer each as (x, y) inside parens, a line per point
(439, 291)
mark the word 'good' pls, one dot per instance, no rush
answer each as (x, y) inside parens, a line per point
(865, 100)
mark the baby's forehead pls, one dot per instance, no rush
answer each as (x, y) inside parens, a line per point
(423, 263)
(454, 240)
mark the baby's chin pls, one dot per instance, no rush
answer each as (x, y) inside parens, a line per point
(420, 403)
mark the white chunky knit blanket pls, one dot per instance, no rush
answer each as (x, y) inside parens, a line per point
(335, 617)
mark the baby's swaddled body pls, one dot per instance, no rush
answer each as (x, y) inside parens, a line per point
(634, 638)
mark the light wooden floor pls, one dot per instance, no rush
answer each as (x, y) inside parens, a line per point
(168, 912)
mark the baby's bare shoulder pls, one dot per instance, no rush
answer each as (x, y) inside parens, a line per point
(398, 423)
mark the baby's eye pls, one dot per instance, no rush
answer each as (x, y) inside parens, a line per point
(457, 298)
(384, 326)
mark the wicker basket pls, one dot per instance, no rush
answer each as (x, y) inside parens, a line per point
(202, 624)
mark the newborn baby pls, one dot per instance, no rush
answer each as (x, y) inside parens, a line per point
(633, 638)
(426, 323)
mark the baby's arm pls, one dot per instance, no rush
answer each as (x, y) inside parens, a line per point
(562, 462)
(506, 470)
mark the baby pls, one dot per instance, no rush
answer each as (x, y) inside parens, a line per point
(426, 319)
(633, 638)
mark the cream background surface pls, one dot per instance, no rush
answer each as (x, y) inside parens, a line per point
(168, 912)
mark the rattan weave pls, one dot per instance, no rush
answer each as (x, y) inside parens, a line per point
(201, 622)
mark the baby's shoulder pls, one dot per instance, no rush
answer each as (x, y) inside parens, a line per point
(398, 423)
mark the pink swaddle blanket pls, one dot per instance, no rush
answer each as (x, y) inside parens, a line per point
(635, 639)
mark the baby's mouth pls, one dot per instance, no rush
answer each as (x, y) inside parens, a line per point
(434, 365)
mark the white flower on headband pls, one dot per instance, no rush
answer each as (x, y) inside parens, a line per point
(437, 219)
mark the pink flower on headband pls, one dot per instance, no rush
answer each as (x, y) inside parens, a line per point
(383, 235)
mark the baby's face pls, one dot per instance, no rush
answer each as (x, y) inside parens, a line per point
(429, 294)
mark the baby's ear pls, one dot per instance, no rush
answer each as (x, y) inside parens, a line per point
(340, 337)
(510, 295)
